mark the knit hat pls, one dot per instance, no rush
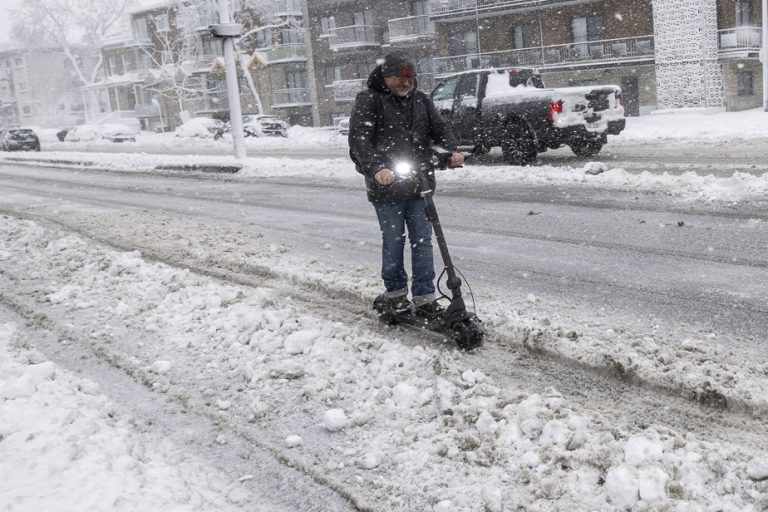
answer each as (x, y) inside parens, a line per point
(396, 64)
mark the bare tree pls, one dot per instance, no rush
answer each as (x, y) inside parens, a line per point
(70, 26)
(179, 63)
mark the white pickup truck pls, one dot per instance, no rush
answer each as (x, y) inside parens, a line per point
(511, 108)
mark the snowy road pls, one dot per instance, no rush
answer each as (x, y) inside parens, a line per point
(721, 158)
(628, 303)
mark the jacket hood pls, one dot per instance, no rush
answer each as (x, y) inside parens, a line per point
(376, 81)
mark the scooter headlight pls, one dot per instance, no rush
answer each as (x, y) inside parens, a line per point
(403, 168)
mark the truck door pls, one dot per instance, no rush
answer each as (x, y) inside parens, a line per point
(444, 97)
(466, 110)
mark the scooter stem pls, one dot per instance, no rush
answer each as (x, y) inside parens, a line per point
(454, 283)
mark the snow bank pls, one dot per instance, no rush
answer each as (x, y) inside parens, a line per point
(403, 427)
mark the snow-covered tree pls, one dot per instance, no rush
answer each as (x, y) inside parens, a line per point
(71, 27)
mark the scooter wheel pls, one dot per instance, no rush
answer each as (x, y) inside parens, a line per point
(469, 333)
(384, 310)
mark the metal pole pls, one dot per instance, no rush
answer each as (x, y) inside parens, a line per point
(233, 91)
(764, 55)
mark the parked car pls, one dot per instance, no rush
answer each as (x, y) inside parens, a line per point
(258, 125)
(204, 127)
(114, 132)
(19, 139)
(342, 127)
(264, 124)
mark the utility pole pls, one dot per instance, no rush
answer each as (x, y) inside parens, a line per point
(228, 31)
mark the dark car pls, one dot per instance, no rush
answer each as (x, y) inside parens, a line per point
(19, 139)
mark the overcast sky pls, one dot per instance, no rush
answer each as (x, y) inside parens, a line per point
(6, 6)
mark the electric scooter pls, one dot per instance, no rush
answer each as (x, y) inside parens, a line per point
(456, 322)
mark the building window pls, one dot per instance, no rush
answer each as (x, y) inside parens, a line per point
(462, 43)
(140, 25)
(522, 36)
(332, 74)
(327, 24)
(363, 69)
(743, 13)
(161, 22)
(291, 36)
(112, 60)
(19, 62)
(263, 39)
(587, 28)
(419, 7)
(744, 83)
(296, 79)
(26, 111)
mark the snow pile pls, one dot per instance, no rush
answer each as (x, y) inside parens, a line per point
(401, 427)
(677, 126)
(64, 446)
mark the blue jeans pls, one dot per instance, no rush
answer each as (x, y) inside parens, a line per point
(393, 219)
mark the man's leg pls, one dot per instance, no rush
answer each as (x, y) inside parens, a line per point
(392, 223)
(422, 258)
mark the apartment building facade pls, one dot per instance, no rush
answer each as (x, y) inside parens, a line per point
(28, 95)
(346, 38)
(664, 55)
(169, 68)
(279, 63)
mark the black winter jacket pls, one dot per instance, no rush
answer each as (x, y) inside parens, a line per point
(385, 129)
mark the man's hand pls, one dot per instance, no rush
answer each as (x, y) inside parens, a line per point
(384, 176)
(456, 160)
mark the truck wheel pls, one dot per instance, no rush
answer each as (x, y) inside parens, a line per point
(586, 148)
(517, 146)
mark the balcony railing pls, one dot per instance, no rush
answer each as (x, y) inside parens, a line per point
(290, 98)
(147, 110)
(346, 90)
(633, 49)
(740, 39)
(353, 36)
(287, 8)
(411, 28)
(203, 62)
(285, 52)
(442, 7)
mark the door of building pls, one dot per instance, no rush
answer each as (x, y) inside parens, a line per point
(631, 90)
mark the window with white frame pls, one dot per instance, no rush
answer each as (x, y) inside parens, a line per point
(112, 62)
(140, 27)
(327, 23)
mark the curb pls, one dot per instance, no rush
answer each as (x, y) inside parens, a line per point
(212, 168)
